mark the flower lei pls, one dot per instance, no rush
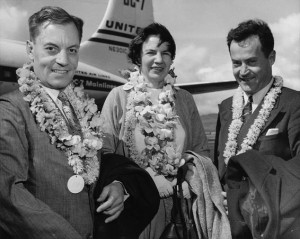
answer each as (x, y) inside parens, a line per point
(256, 127)
(157, 122)
(81, 152)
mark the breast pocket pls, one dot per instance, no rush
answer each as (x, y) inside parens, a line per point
(277, 145)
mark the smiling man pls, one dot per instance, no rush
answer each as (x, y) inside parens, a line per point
(258, 140)
(50, 142)
(54, 52)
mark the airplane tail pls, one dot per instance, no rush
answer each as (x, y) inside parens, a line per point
(107, 48)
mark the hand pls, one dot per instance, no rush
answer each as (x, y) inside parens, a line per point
(112, 201)
(186, 190)
(187, 162)
(164, 186)
(190, 172)
(224, 194)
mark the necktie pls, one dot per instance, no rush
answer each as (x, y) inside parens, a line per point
(69, 113)
(247, 111)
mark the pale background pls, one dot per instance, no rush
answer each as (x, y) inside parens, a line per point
(199, 27)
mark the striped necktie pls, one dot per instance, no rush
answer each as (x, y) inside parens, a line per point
(69, 113)
(247, 111)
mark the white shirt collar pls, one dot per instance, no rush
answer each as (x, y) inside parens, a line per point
(53, 93)
(258, 96)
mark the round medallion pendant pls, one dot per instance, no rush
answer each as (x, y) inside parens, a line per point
(75, 184)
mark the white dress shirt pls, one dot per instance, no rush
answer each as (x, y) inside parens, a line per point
(258, 96)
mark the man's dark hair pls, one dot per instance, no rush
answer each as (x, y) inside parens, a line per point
(157, 29)
(53, 15)
(255, 27)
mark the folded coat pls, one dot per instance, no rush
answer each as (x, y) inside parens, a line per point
(278, 183)
(141, 205)
(208, 210)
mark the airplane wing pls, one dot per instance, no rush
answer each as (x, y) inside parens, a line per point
(206, 87)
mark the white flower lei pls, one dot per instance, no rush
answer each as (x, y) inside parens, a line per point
(81, 153)
(256, 127)
(158, 123)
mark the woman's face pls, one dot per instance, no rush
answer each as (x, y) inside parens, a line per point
(156, 60)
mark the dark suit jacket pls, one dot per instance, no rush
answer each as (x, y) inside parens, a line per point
(278, 184)
(34, 199)
(285, 145)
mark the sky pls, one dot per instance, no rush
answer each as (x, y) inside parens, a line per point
(199, 28)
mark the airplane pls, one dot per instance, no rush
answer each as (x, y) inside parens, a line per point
(103, 55)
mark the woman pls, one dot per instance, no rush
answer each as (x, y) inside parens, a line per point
(151, 121)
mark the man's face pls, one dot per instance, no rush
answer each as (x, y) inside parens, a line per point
(251, 68)
(55, 54)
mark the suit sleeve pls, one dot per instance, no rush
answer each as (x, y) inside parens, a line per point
(294, 126)
(22, 214)
(199, 139)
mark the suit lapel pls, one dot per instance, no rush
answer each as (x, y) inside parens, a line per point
(245, 128)
(275, 111)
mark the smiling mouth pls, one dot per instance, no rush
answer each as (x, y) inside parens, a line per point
(60, 71)
(246, 79)
(159, 69)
